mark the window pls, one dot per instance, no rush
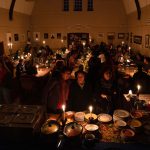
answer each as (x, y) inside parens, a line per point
(90, 5)
(77, 5)
(66, 5)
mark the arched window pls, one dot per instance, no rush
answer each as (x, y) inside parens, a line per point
(77, 5)
(66, 5)
(90, 5)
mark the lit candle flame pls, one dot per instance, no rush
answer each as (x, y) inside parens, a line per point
(130, 92)
(90, 109)
(138, 87)
(63, 108)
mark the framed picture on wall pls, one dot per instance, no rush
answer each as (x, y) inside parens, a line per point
(100, 35)
(111, 35)
(45, 35)
(58, 35)
(137, 39)
(9, 37)
(36, 36)
(121, 35)
(147, 42)
(16, 37)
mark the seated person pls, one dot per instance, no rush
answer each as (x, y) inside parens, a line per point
(80, 94)
(105, 92)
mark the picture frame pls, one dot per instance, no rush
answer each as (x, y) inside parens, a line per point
(121, 35)
(111, 35)
(16, 37)
(45, 35)
(147, 42)
(36, 36)
(137, 39)
(100, 35)
(58, 35)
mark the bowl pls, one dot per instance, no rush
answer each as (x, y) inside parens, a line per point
(104, 118)
(79, 116)
(120, 124)
(120, 114)
(136, 114)
(127, 134)
(135, 125)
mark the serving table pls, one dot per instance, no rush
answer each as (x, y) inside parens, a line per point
(109, 133)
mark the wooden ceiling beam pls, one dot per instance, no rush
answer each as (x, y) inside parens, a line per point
(138, 9)
(11, 10)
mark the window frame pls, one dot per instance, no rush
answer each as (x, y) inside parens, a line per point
(78, 5)
(90, 5)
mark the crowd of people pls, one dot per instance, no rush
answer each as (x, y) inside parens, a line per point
(99, 84)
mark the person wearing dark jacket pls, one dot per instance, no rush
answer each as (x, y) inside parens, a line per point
(80, 94)
(105, 91)
(56, 91)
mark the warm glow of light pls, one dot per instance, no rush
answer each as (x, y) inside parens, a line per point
(63, 108)
(138, 87)
(130, 92)
(44, 42)
(90, 109)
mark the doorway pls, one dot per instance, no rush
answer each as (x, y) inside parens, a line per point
(75, 39)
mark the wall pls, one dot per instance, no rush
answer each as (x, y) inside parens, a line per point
(19, 25)
(108, 16)
(141, 28)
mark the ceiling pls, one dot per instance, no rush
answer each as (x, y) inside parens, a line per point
(26, 6)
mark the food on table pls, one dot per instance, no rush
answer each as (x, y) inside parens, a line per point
(104, 117)
(91, 127)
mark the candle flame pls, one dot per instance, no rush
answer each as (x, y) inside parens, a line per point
(130, 92)
(63, 107)
(138, 87)
(90, 109)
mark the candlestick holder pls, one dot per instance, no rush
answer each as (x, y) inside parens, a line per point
(91, 120)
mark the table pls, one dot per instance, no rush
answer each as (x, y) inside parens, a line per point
(42, 72)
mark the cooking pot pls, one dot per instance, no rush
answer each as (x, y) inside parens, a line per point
(71, 136)
(72, 129)
(50, 131)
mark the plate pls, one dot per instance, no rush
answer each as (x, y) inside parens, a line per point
(104, 117)
(121, 113)
(91, 127)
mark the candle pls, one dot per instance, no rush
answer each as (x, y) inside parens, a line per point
(90, 109)
(44, 42)
(130, 92)
(138, 87)
(63, 108)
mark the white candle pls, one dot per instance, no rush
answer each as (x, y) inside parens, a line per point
(138, 87)
(63, 108)
(130, 92)
(138, 90)
(90, 109)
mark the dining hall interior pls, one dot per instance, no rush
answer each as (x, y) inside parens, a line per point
(75, 74)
